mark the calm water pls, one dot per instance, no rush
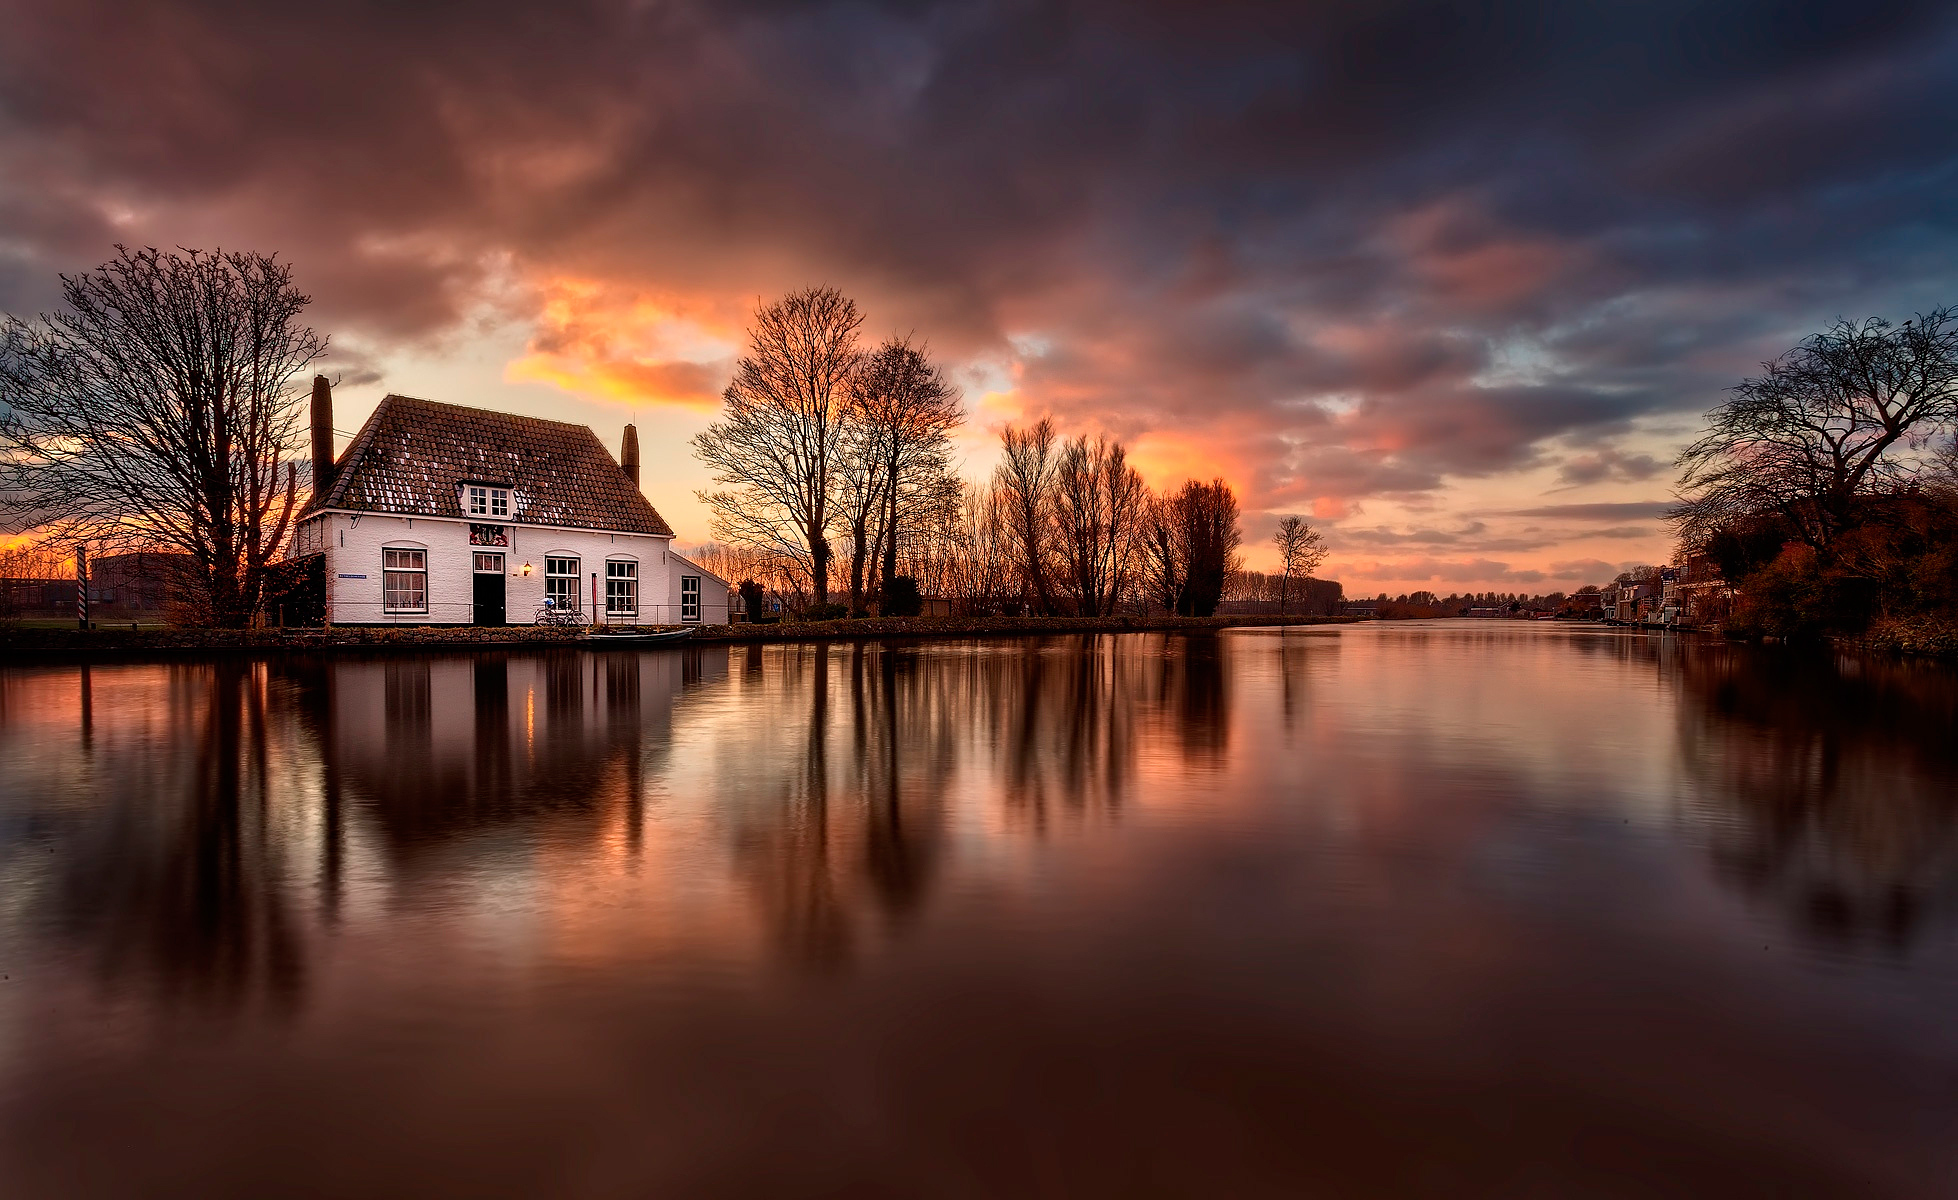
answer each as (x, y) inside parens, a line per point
(1417, 909)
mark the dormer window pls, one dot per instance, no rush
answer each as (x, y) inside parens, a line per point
(486, 501)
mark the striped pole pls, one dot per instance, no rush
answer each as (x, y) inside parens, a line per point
(81, 583)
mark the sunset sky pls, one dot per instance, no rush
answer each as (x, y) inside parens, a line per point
(1456, 281)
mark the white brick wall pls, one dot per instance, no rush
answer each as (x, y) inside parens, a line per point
(353, 548)
(713, 593)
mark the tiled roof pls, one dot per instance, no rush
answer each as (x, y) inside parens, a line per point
(411, 454)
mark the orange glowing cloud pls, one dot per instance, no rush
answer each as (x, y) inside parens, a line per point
(635, 348)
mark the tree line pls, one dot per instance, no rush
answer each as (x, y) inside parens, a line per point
(161, 410)
(833, 454)
(1825, 489)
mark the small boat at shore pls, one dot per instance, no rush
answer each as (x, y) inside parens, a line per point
(634, 636)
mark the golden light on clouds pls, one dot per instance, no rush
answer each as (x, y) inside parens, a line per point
(635, 348)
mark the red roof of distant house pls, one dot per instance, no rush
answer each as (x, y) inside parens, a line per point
(411, 455)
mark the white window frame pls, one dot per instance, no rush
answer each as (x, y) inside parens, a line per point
(622, 587)
(411, 566)
(480, 565)
(482, 500)
(566, 581)
(690, 598)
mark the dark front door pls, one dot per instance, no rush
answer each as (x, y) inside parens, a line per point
(489, 589)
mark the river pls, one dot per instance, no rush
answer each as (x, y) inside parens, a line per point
(1430, 908)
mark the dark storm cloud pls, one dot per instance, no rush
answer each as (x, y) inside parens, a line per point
(1358, 249)
(1597, 512)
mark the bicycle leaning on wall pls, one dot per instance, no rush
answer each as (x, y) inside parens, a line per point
(566, 616)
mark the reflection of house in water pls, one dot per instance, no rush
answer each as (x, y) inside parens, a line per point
(439, 746)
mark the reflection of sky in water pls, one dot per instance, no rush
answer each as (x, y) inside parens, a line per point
(1600, 904)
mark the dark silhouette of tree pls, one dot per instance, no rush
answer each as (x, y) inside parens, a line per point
(1300, 551)
(1024, 481)
(1100, 504)
(1192, 540)
(907, 411)
(158, 411)
(1836, 419)
(778, 446)
(896, 464)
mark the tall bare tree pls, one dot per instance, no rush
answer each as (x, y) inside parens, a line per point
(1192, 539)
(1300, 551)
(776, 449)
(159, 410)
(1025, 480)
(1099, 506)
(910, 410)
(1844, 414)
(980, 559)
(861, 487)
(897, 455)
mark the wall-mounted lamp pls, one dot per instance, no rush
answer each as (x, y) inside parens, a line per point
(526, 569)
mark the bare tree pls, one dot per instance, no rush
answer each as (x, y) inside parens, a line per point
(1025, 480)
(931, 513)
(1164, 561)
(33, 560)
(1844, 414)
(777, 446)
(1099, 505)
(910, 409)
(1300, 551)
(896, 456)
(159, 410)
(861, 487)
(1192, 539)
(979, 564)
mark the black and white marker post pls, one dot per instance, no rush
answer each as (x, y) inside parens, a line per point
(81, 583)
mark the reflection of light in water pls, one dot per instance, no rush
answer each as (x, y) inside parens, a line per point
(1111, 864)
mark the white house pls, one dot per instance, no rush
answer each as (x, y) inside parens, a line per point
(443, 515)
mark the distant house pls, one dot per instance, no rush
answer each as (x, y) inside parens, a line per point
(439, 514)
(1697, 592)
(142, 585)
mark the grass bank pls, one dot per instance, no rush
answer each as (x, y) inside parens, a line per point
(21, 643)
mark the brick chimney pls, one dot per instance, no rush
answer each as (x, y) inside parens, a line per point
(322, 435)
(629, 455)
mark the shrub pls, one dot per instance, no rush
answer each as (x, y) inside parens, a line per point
(901, 598)
(753, 600)
(825, 612)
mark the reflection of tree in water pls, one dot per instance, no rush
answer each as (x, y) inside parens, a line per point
(852, 816)
(1842, 779)
(195, 871)
(1068, 714)
(184, 886)
(839, 794)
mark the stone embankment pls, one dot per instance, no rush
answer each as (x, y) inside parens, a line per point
(22, 643)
